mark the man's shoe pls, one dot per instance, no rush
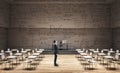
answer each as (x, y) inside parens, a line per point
(56, 65)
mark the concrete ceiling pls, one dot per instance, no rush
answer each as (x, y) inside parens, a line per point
(60, 1)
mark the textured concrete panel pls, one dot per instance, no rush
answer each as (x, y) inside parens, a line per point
(4, 23)
(115, 14)
(76, 38)
(116, 38)
(3, 38)
(4, 14)
(116, 24)
(60, 16)
(63, 1)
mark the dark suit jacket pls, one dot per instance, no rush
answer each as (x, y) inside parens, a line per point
(55, 49)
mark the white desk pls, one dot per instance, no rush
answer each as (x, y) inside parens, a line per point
(32, 57)
(1, 54)
(7, 51)
(83, 54)
(111, 51)
(24, 52)
(117, 53)
(95, 52)
(87, 57)
(11, 57)
(14, 50)
(108, 57)
(18, 54)
(101, 54)
(39, 51)
(36, 54)
(28, 50)
(80, 51)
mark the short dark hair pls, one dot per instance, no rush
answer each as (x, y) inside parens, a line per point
(54, 41)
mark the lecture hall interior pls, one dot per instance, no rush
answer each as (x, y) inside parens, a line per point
(59, 36)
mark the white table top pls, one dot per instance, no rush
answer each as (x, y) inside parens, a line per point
(32, 57)
(108, 57)
(111, 51)
(105, 49)
(27, 49)
(39, 51)
(87, 57)
(101, 54)
(83, 54)
(92, 50)
(7, 51)
(117, 53)
(14, 50)
(36, 54)
(24, 51)
(96, 51)
(11, 57)
(1, 54)
(80, 51)
(18, 54)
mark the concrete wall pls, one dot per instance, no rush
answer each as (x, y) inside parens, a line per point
(60, 16)
(116, 24)
(4, 23)
(82, 25)
(76, 38)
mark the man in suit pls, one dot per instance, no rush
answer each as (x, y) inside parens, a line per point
(55, 47)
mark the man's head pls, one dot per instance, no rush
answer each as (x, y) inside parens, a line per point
(55, 42)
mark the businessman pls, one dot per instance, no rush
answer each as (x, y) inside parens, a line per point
(55, 47)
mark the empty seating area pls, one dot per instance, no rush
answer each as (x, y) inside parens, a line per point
(11, 58)
(108, 58)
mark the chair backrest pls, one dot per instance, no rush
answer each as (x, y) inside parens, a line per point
(28, 53)
(8, 49)
(83, 49)
(3, 57)
(91, 53)
(2, 51)
(17, 51)
(97, 49)
(116, 57)
(86, 51)
(101, 51)
(108, 53)
(33, 51)
(117, 51)
(111, 49)
(11, 53)
(21, 49)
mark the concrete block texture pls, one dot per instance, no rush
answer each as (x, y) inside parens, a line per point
(43, 38)
(3, 38)
(60, 16)
(115, 14)
(4, 23)
(115, 20)
(4, 14)
(81, 25)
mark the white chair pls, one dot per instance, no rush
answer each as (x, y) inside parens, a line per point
(8, 49)
(97, 49)
(111, 49)
(117, 51)
(108, 53)
(2, 51)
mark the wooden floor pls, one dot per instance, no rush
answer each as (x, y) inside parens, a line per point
(67, 64)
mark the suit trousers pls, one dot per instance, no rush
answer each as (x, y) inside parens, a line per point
(55, 59)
